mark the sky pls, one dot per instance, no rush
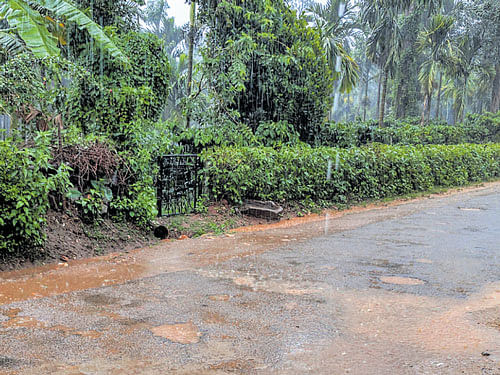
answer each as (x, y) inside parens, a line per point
(180, 10)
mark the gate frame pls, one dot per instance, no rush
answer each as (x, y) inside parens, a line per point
(197, 182)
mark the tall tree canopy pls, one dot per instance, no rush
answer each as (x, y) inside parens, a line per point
(265, 62)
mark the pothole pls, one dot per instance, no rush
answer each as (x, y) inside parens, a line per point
(7, 362)
(184, 333)
(401, 280)
(101, 299)
(219, 297)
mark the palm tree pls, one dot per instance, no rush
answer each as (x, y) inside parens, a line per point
(335, 22)
(178, 84)
(192, 32)
(159, 23)
(480, 87)
(384, 42)
(464, 64)
(432, 41)
(300, 5)
(34, 23)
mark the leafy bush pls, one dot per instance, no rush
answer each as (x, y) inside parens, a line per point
(137, 205)
(483, 127)
(264, 62)
(225, 134)
(111, 183)
(476, 129)
(114, 98)
(276, 134)
(34, 92)
(26, 180)
(300, 173)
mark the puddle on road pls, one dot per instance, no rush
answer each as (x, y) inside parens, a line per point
(184, 333)
(219, 297)
(11, 313)
(90, 334)
(401, 280)
(270, 285)
(8, 362)
(82, 275)
(23, 322)
(15, 322)
(101, 300)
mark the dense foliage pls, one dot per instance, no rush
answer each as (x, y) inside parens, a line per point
(476, 129)
(26, 180)
(264, 64)
(115, 96)
(295, 174)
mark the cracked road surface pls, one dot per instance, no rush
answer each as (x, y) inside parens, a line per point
(407, 288)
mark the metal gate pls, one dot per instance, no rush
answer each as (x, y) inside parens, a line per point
(178, 184)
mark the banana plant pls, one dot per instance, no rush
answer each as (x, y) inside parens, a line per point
(10, 43)
(32, 21)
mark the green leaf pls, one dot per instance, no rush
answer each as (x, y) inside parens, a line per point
(74, 194)
(108, 194)
(67, 10)
(10, 43)
(31, 27)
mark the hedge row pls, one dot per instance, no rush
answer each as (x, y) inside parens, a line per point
(476, 129)
(300, 173)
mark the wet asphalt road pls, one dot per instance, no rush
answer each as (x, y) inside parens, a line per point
(412, 288)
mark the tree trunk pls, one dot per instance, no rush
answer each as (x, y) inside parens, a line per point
(378, 94)
(360, 100)
(348, 109)
(397, 103)
(192, 20)
(365, 98)
(382, 99)
(438, 103)
(428, 114)
(425, 109)
(495, 92)
(464, 99)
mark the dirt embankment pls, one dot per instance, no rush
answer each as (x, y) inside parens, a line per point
(69, 238)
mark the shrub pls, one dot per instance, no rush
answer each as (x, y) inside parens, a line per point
(476, 129)
(113, 97)
(26, 179)
(111, 183)
(484, 126)
(276, 134)
(300, 173)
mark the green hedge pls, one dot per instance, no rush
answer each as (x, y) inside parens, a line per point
(476, 129)
(299, 173)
